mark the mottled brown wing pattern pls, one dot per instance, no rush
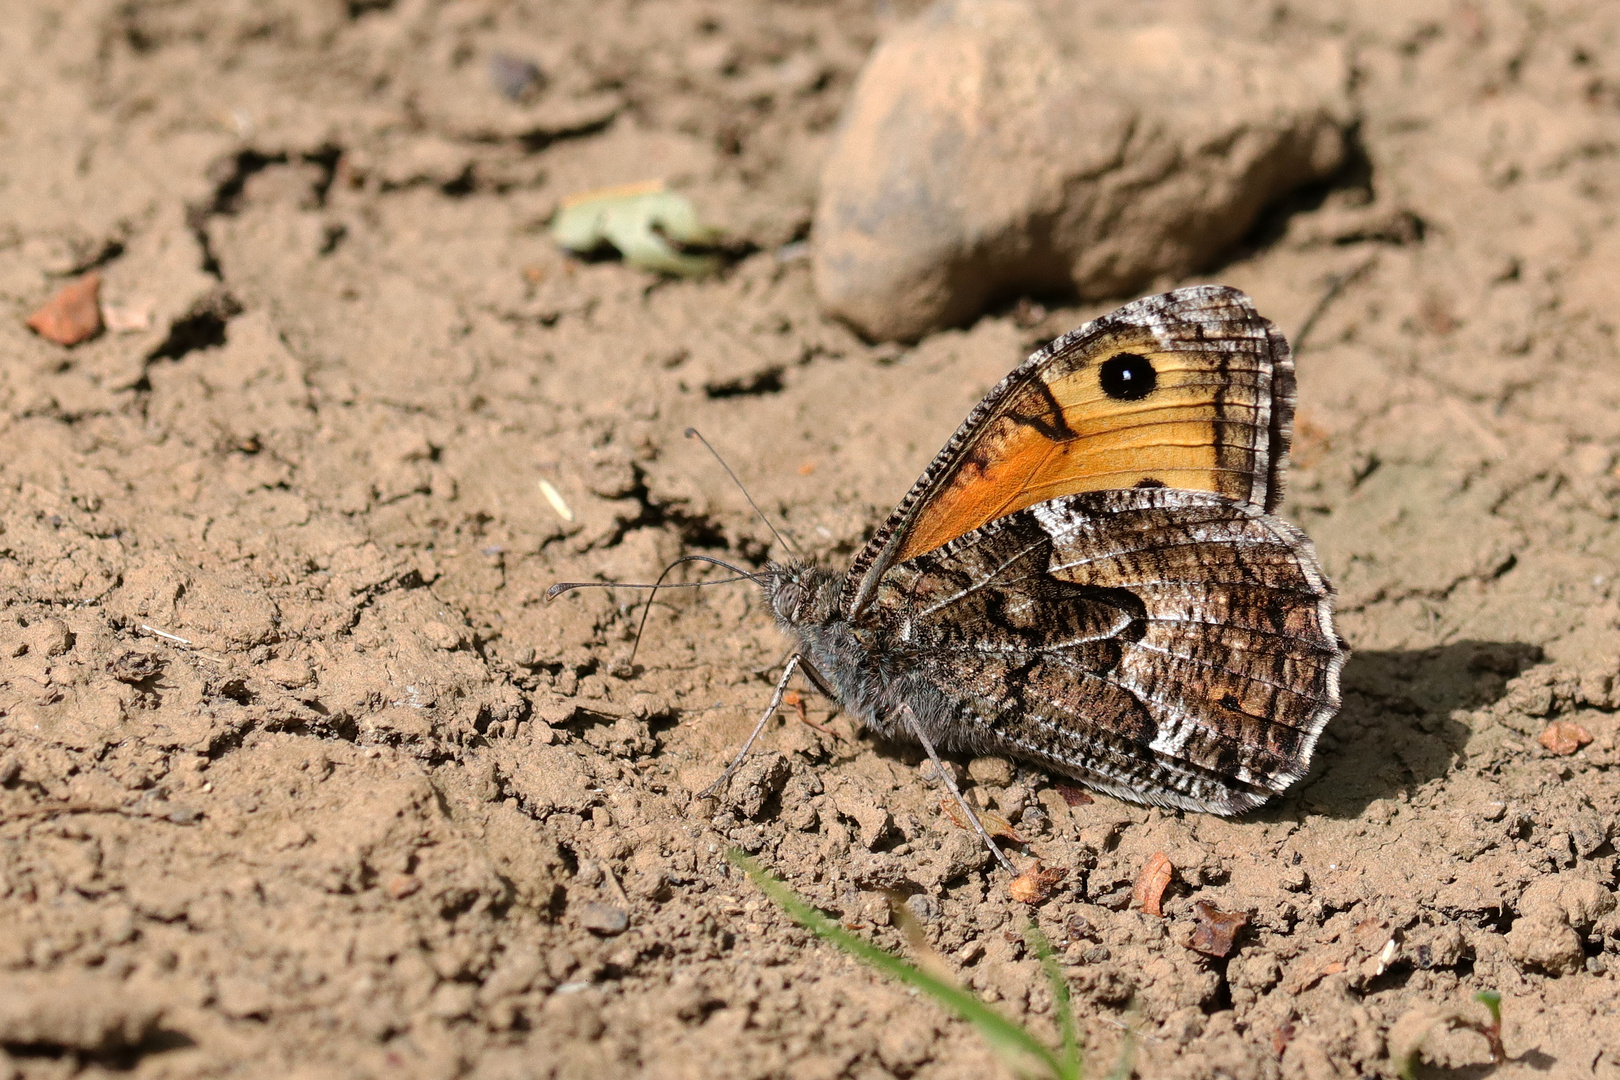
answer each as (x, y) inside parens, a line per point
(1170, 646)
(1190, 389)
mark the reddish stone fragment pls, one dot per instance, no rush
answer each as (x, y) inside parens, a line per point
(1215, 929)
(73, 314)
(1314, 969)
(1564, 737)
(1151, 883)
(402, 885)
(1035, 884)
(1073, 796)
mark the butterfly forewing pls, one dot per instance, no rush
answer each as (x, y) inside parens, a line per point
(1190, 390)
(1172, 646)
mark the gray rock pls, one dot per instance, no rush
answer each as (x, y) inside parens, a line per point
(993, 146)
(516, 77)
(923, 906)
(604, 919)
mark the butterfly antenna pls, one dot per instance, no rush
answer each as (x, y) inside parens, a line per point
(740, 575)
(694, 433)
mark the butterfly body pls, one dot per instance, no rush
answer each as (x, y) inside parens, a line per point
(1088, 577)
(854, 663)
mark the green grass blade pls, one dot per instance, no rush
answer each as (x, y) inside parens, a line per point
(1014, 1045)
(1072, 1061)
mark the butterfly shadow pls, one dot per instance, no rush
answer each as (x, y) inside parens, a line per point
(1396, 728)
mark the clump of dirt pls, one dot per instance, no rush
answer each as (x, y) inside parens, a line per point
(300, 775)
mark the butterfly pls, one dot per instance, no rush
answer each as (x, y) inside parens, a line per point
(1089, 576)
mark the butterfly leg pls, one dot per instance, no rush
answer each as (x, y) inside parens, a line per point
(950, 785)
(770, 710)
(818, 680)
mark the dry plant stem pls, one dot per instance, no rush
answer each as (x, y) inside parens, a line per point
(950, 785)
(1337, 283)
(770, 710)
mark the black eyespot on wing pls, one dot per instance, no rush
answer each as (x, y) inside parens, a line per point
(1230, 701)
(1128, 377)
(1148, 482)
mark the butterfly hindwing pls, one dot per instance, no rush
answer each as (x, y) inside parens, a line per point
(1170, 646)
(1190, 389)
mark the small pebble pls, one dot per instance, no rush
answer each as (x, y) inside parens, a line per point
(514, 77)
(1294, 879)
(1564, 737)
(72, 315)
(442, 635)
(1035, 884)
(604, 919)
(927, 211)
(923, 906)
(1116, 900)
(402, 885)
(135, 666)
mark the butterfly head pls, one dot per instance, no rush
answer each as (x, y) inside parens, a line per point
(800, 593)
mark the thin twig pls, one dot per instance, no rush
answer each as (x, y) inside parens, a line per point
(1336, 285)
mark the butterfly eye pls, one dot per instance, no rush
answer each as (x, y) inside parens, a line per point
(1128, 377)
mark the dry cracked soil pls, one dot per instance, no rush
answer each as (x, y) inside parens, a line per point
(300, 775)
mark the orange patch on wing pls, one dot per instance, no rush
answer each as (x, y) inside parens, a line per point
(1031, 453)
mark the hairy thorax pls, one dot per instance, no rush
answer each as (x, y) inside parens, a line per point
(804, 599)
(846, 659)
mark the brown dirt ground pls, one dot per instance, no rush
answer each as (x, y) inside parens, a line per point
(356, 822)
